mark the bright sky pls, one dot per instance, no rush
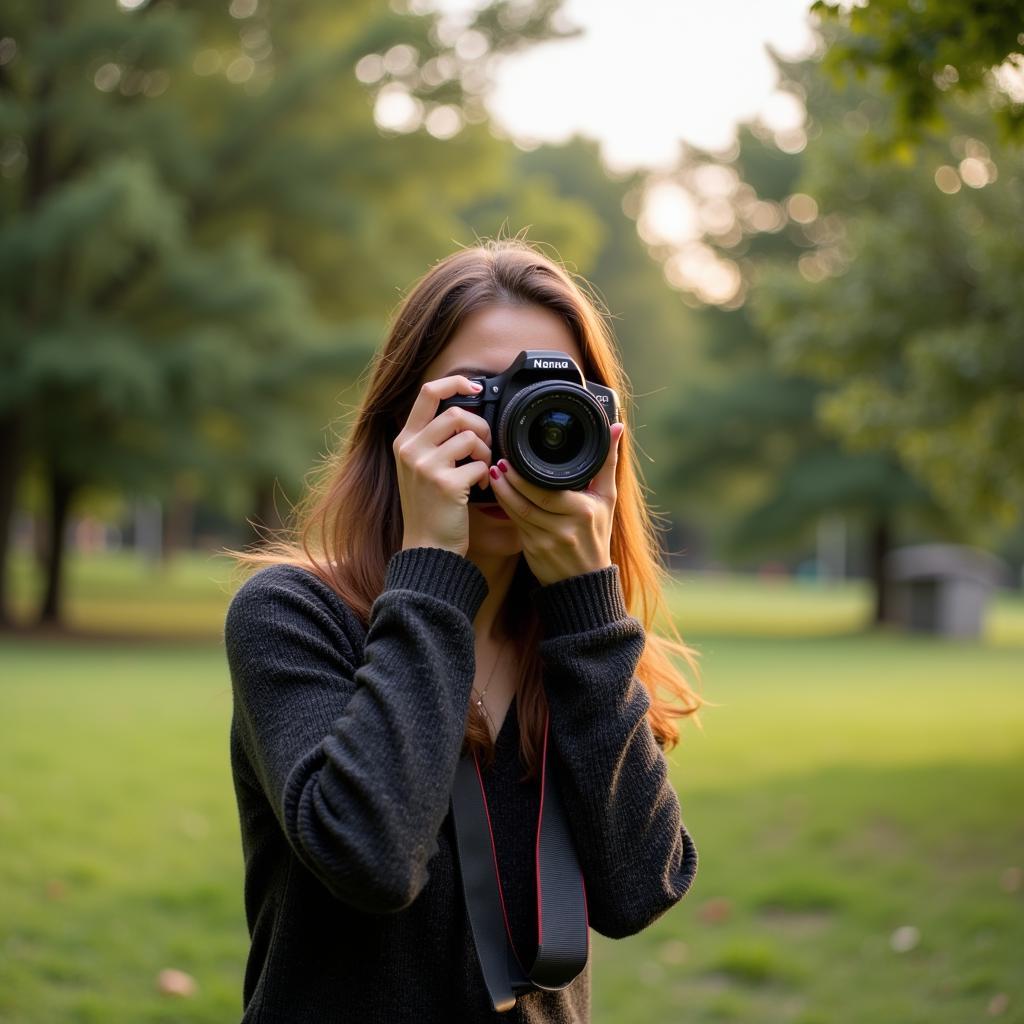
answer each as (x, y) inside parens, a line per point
(642, 78)
(648, 73)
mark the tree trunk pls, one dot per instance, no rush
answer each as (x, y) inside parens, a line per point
(11, 437)
(62, 490)
(267, 515)
(881, 542)
(40, 540)
(178, 522)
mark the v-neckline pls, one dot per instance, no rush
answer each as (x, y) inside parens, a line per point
(509, 712)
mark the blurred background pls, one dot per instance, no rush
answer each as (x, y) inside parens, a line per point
(806, 224)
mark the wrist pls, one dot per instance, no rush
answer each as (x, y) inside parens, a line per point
(412, 542)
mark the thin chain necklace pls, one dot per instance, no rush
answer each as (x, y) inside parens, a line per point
(480, 701)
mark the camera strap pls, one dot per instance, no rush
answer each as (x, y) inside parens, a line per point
(563, 937)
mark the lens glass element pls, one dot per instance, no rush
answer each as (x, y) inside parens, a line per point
(556, 436)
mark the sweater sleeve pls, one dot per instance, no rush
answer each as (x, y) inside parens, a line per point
(637, 857)
(356, 755)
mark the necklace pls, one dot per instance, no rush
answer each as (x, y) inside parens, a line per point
(480, 702)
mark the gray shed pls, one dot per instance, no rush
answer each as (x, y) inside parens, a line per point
(941, 588)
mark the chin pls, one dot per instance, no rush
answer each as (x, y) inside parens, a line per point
(493, 536)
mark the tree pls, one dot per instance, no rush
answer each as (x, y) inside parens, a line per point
(203, 222)
(907, 307)
(923, 51)
(749, 451)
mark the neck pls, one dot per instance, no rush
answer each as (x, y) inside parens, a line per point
(498, 570)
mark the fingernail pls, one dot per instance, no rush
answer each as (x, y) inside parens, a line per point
(494, 473)
(503, 465)
(476, 385)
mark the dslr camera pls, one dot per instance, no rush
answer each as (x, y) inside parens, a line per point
(548, 422)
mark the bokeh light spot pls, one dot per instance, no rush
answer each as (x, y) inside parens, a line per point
(667, 214)
(765, 215)
(974, 172)
(443, 122)
(400, 59)
(947, 179)
(240, 69)
(396, 110)
(243, 8)
(107, 77)
(370, 69)
(801, 208)
(471, 45)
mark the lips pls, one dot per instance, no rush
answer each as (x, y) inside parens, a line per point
(494, 511)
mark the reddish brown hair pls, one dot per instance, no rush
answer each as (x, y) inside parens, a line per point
(350, 553)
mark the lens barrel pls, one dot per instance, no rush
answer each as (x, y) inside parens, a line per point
(556, 434)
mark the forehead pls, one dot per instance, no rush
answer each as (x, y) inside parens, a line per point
(489, 339)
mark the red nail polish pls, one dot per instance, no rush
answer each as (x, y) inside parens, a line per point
(503, 465)
(494, 473)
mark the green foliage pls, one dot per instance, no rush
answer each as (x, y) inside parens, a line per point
(907, 308)
(750, 453)
(926, 49)
(205, 227)
(877, 369)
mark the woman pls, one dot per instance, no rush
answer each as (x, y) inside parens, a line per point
(404, 624)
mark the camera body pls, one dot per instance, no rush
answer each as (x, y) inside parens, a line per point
(548, 422)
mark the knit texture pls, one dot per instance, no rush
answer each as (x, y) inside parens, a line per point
(344, 743)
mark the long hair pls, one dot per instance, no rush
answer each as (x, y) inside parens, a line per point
(350, 552)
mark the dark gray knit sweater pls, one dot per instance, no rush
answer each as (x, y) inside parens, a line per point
(344, 744)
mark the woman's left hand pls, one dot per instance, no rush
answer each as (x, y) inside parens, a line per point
(564, 533)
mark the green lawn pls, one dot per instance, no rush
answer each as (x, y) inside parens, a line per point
(849, 793)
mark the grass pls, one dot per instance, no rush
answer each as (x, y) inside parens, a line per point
(187, 598)
(846, 788)
(856, 801)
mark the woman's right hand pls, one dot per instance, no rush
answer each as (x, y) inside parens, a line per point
(434, 491)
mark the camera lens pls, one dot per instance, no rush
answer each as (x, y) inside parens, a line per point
(556, 435)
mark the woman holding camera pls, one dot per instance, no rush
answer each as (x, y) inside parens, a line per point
(404, 626)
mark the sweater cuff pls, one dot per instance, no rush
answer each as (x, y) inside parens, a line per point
(440, 573)
(581, 603)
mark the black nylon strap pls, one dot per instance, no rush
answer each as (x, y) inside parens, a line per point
(563, 934)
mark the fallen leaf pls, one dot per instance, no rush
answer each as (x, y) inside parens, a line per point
(905, 938)
(715, 911)
(998, 1004)
(172, 982)
(1010, 879)
(673, 952)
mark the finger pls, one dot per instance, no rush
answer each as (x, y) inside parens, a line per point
(424, 408)
(463, 445)
(558, 502)
(518, 506)
(472, 473)
(604, 483)
(466, 442)
(451, 422)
